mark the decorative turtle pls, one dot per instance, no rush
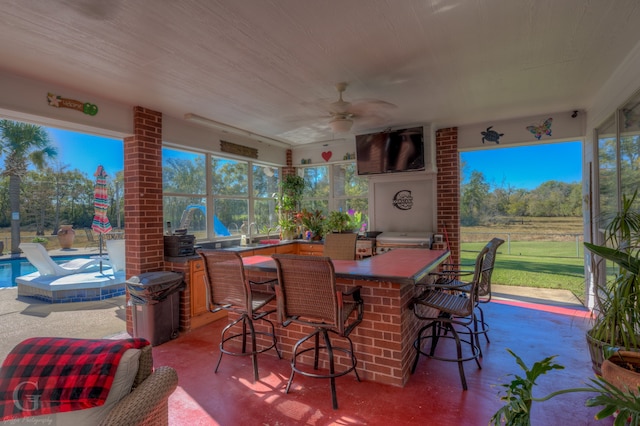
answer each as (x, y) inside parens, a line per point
(491, 135)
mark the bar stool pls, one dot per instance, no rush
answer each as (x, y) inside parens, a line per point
(307, 295)
(444, 310)
(229, 290)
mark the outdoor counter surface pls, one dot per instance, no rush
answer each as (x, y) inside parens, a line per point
(403, 266)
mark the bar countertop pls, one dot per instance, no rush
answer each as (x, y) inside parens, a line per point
(404, 266)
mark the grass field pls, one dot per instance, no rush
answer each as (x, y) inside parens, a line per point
(538, 252)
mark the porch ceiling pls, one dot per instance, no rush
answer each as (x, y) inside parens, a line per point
(270, 67)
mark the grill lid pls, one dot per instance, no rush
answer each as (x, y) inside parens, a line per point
(417, 238)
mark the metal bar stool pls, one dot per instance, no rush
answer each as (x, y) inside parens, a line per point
(228, 289)
(307, 295)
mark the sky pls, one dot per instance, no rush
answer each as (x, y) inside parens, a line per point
(515, 167)
(528, 166)
(86, 152)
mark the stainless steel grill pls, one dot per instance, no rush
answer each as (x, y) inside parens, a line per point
(392, 240)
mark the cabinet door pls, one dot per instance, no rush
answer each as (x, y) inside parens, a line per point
(198, 288)
(289, 248)
(266, 251)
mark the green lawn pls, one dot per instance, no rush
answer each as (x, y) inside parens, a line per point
(535, 264)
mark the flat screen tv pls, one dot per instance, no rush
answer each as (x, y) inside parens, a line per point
(391, 151)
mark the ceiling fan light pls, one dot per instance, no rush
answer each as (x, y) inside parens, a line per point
(341, 125)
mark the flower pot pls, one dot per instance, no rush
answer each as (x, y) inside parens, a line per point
(66, 235)
(623, 370)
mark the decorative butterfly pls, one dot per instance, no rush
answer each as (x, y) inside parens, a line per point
(541, 129)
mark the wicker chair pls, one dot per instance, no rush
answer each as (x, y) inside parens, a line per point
(340, 246)
(307, 295)
(228, 289)
(452, 278)
(148, 402)
(444, 310)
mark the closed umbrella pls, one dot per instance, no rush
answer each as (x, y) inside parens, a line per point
(100, 204)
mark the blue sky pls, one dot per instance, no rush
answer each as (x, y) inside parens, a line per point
(86, 152)
(528, 166)
(516, 167)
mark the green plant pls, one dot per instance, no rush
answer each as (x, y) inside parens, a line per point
(338, 222)
(617, 311)
(291, 189)
(519, 397)
(313, 221)
(40, 240)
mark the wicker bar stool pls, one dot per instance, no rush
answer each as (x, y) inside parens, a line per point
(452, 278)
(449, 314)
(307, 295)
(228, 289)
(340, 246)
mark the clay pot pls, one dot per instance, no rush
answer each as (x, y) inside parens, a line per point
(617, 372)
(66, 235)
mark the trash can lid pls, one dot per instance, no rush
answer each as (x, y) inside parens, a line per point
(155, 278)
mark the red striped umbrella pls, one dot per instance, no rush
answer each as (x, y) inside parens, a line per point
(100, 204)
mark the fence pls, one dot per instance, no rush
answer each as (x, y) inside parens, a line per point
(528, 244)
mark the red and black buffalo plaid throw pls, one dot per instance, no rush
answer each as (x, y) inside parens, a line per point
(46, 375)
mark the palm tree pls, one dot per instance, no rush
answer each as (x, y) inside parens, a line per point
(21, 144)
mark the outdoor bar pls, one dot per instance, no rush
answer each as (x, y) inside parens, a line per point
(383, 342)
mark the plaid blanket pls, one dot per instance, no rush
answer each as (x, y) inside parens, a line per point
(47, 375)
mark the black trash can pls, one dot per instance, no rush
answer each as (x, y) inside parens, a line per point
(155, 299)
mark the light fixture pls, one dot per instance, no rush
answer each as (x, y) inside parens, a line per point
(340, 125)
(235, 130)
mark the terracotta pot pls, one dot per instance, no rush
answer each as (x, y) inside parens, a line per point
(617, 372)
(66, 235)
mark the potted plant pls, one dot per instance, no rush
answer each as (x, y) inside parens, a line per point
(289, 198)
(338, 222)
(617, 310)
(314, 222)
(624, 403)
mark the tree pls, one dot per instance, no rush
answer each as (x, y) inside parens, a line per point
(473, 200)
(21, 144)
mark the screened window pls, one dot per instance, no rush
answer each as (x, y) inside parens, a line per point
(217, 201)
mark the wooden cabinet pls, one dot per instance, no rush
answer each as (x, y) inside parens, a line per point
(287, 249)
(198, 288)
(310, 249)
(200, 314)
(265, 251)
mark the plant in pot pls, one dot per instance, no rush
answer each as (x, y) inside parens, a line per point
(314, 222)
(617, 309)
(338, 222)
(289, 198)
(624, 403)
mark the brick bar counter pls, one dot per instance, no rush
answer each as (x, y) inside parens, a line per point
(383, 342)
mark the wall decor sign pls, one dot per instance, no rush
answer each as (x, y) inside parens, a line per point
(233, 148)
(327, 155)
(403, 200)
(491, 135)
(543, 128)
(60, 102)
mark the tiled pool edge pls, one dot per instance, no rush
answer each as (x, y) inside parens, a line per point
(74, 295)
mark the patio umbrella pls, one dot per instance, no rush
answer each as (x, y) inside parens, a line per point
(100, 204)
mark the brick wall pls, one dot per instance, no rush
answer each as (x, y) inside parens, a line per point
(448, 187)
(143, 196)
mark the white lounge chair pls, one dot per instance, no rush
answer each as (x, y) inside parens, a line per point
(116, 251)
(39, 257)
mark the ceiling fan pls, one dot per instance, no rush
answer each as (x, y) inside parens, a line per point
(344, 113)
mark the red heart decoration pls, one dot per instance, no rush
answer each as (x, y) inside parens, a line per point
(326, 155)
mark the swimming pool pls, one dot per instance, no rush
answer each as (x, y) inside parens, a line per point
(12, 268)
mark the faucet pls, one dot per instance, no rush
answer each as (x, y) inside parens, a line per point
(249, 231)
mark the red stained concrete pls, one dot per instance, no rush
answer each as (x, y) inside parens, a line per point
(433, 395)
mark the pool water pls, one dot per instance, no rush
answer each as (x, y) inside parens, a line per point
(12, 268)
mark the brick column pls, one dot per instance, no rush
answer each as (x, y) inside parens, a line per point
(448, 184)
(289, 170)
(143, 196)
